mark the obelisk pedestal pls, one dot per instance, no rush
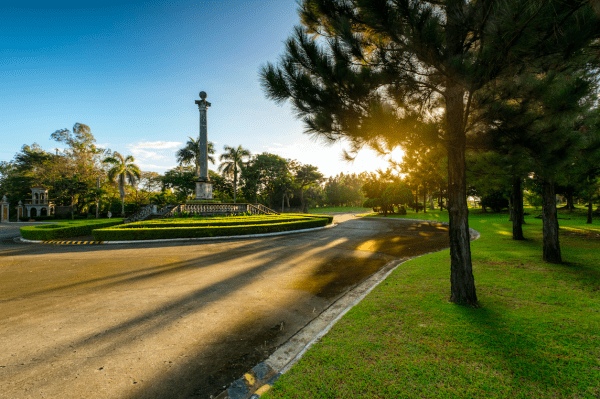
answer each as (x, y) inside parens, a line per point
(203, 184)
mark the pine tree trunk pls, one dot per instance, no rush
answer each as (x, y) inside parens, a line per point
(461, 272)
(510, 208)
(424, 200)
(551, 244)
(517, 208)
(570, 202)
(589, 215)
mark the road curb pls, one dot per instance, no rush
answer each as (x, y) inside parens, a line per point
(294, 349)
(279, 233)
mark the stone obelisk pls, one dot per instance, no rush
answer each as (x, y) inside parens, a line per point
(203, 185)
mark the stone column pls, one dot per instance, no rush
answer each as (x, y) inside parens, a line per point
(203, 185)
(20, 211)
(4, 210)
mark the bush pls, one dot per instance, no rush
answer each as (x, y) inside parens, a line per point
(131, 208)
(224, 220)
(65, 229)
(496, 201)
(152, 233)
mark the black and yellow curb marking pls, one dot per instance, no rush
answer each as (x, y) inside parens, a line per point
(253, 384)
(72, 242)
(262, 390)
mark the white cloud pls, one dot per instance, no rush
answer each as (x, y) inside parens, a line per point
(144, 155)
(154, 150)
(156, 144)
(152, 167)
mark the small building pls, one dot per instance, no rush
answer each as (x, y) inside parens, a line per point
(40, 204)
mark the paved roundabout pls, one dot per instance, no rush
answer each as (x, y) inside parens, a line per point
(177, 319)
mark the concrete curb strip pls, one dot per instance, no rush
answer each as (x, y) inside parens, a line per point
(292, 351)
(280, 233)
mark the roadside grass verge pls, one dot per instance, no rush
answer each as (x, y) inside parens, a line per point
(330, 209)
(66, 229)
(536, 333)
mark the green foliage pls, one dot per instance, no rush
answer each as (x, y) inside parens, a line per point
(344, 189)
(128, 232)
(232, 161)
(66, 229)
(496, 200)
(181, 180)
(123, 170)
(186, 220)
(264, 176)
(384, 190)
(190, 154)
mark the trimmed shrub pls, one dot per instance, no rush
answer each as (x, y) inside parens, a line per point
(154, 232)
(65, 229)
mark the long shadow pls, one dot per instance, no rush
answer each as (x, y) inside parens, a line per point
(246, 246)
(138, 275)
(208, 369)
(330, 279)
(126, 332)
(498, 337)
(272, 255)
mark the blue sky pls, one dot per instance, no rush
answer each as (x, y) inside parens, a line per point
(132, 70)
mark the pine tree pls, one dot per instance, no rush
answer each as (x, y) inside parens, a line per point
(379, 71)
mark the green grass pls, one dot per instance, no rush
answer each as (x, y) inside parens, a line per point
(535, 335)
(210, 227)
(330, 209)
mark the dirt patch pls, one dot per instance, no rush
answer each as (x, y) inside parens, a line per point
(582, 234)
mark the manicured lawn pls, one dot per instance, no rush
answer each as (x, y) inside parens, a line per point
(330, 209)
(536, 333)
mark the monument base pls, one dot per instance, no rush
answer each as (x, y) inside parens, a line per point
(203, 190)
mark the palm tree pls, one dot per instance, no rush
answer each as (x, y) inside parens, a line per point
(231, 163)
(124, 170)
(191, 154)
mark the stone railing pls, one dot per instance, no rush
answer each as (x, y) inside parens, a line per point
(264, 210)
(165, 209)
(141, 214)
(219, 209)
(171, 213)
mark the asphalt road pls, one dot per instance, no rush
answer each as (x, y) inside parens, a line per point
(176, 320)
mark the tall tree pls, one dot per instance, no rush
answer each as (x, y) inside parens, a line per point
(263, 175)
(123, 170)
(306, 176)
(370, 71)
(190, 154)
(231, 164)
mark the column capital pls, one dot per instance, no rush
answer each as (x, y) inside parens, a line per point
(202, 104)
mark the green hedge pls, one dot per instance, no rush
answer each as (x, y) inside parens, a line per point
(122, 233)
(221, 221)
(66, 229)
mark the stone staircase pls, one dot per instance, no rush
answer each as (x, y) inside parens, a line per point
(149, 213)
